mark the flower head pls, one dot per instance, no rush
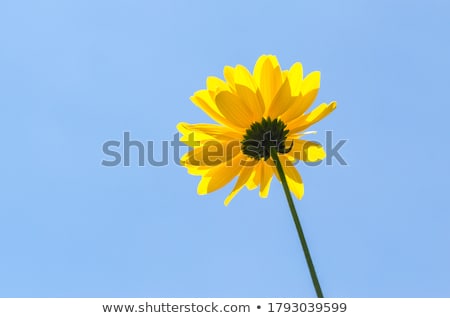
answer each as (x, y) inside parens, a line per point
(255, 112)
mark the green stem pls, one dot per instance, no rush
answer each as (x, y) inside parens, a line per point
(301, 236)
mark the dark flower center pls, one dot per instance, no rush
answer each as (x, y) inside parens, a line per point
(263, 136)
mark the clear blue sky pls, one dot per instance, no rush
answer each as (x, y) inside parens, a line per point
(74, 74)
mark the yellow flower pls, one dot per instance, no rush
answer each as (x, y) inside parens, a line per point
(255, 112)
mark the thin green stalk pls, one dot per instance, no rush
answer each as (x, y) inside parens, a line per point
(301, 236)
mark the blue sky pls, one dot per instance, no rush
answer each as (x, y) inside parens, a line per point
(74, 74)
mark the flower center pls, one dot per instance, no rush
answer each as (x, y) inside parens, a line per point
(263, 136)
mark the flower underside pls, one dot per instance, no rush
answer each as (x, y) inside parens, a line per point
(265, 113)
(262, 136)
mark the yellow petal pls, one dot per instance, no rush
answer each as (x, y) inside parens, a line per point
(311, 118)
(244, 176)
(254, 180)
(215, 84)
(211, 153)
(252, 100)
(228, 73)
(308, 93)
(234, 110)
(243, 77)
(281, 101)
(295, 77)
(197, 170)
(257, 69)
(196, 134)
(218, 177)
(310, 83)
(284, 75)
(203, 100)
(266, 174)
(293, 178)
(310, 88)
(294, 181)
(305, 150)
(268, 77)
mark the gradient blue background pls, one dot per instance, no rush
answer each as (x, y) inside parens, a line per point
(74, 74)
